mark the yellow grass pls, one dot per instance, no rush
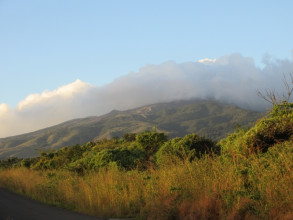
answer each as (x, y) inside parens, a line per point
(208, 188)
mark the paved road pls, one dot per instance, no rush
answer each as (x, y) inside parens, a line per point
(16, 207)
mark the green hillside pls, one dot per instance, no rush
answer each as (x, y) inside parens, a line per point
(246, 175)
(204, 117)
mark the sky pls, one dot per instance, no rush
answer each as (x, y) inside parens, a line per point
(63, 59)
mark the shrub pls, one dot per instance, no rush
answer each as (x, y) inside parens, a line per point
(189, 147)
(273, 129)
(26, 163)
(123, 157)
(151, 141)
(129, 137)
(10, 162)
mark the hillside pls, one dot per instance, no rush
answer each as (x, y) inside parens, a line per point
(204, 117)
(247, 175)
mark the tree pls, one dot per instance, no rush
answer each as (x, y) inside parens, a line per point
(277, 99)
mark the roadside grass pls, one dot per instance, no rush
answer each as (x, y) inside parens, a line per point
(230, 186)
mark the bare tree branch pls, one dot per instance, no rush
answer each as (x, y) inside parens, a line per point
(274, 98)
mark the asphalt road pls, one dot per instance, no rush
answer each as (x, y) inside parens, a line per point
(17, 207)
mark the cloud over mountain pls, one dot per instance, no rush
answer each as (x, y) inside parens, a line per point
(231, 78)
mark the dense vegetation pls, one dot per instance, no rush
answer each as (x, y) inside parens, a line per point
(247, 175)
(177, 119)
(132, 151)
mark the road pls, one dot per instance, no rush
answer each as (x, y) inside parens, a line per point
(17, 207)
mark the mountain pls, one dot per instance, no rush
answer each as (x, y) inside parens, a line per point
(204, 117)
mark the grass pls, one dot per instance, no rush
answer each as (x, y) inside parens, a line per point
(225, 187)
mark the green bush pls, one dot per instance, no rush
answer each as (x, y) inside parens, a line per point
(129, 137)
(26, 163)
(276, 128)
(151, 141)
(10, 162)
(123, 157)
(189, 147)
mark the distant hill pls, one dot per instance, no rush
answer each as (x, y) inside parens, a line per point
(204, 117)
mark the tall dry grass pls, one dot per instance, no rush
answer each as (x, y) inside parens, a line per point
(226, 187)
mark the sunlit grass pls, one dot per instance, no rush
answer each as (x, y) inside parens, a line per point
(225, 187)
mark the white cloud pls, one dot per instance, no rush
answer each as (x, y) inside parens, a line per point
(4, 108)
(231, 78)
(67, 91)
(207, 60)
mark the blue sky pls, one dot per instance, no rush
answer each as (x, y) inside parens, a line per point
(48, 45)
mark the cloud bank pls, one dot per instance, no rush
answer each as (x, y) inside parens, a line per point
(231, 78)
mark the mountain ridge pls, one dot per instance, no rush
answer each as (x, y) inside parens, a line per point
(205, 117)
